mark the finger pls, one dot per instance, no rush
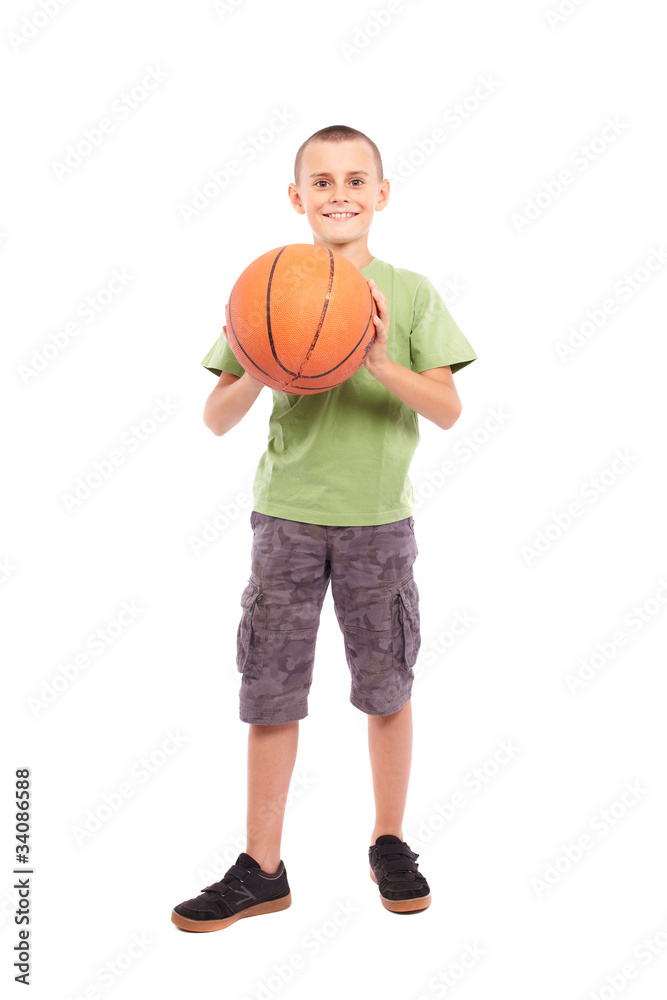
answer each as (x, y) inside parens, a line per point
(376, 291)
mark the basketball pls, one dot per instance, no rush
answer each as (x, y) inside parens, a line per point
(300, 318)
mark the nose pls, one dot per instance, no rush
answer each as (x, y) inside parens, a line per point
(339, 194)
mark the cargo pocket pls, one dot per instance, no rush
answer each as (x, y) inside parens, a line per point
(365, 619)
(407, 638)
(368, 650)
(246, 639)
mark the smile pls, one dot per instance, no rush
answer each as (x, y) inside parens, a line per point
(341, 216)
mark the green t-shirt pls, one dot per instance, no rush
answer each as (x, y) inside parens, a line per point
(341, 457)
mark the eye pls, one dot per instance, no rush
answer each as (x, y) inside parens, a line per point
(356, 179)
(320, 181)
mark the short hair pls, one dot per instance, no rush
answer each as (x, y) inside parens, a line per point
(337, 133)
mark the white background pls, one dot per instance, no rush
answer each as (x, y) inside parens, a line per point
(539, 609)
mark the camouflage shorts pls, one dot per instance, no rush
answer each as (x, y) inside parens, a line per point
(377, 607)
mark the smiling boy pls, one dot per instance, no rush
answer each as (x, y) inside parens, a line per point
(332, 503)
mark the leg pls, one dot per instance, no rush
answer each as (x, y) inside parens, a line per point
(390, 749)
(377, 604)
(403, 888)
(271, 754)
(271, 757)
(277, 634)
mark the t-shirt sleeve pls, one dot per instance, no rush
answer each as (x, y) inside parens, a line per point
(221, 358)
(435, 339)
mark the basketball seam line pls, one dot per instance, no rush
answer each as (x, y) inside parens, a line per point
(268, 316)
(319, 325)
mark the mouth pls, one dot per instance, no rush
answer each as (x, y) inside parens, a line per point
(340, 216)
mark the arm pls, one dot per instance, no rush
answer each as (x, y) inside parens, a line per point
(430, 393)
(231, 399)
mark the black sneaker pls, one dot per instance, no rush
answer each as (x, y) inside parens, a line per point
(402, 886)
(244, 891)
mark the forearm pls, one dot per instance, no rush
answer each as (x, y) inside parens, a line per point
(427, 396)
(228, 404)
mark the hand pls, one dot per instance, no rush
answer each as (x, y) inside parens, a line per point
(253, 381)
(376, 359)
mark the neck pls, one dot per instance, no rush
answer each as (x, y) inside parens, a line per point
(357, 254)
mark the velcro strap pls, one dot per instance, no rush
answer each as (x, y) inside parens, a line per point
(237, 870)
(397, 866)
(408, 878)
(220, 887)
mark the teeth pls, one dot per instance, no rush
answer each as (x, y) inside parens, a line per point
(341, 215)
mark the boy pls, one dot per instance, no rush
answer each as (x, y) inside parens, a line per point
(332, 502)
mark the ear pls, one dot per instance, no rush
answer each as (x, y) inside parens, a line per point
(295, 198)
(383, 195)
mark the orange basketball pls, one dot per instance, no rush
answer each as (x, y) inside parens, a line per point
(300, 318)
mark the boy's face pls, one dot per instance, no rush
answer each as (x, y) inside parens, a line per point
(339, 191)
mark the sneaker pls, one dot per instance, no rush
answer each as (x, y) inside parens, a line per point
(393, 868)
(245, 891)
